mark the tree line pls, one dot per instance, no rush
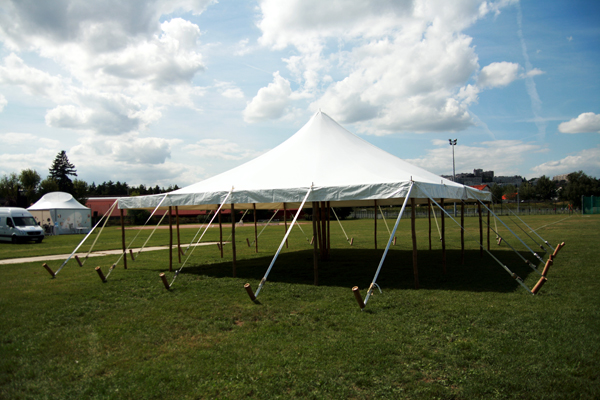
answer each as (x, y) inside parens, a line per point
(27, 187)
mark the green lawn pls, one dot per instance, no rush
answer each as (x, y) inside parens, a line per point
(473, 333)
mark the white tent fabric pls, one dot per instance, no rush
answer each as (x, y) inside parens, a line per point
(66, 214)
(338, 165)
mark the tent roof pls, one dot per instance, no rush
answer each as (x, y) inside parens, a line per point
(57, 201)
(340, 166)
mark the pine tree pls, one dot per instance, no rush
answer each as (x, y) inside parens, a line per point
(61, 170)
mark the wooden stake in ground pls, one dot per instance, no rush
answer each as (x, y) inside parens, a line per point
(488, 229)
(255, 229)
(443, 237)
(233, 237)
(315, 250)
(375, 229)
(123, 239)
(170, 241)
(413, 217)
(178, 236)
(462, 233)
(328, 226)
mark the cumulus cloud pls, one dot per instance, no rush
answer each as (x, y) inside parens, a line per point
(270, 102)
(502, 156)
(586, 122)
(408, 67)
(498, 74)
(3, 102)
(219, 148)
(32, 81)
(587, 160)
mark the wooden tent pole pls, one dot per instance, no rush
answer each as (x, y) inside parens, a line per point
(443, 238)
(462, 233)
(429, 215)
(488, 228)
(123, 239)
(323, 220)
(233, 237)
(328, 226)
(480, 230)
(220, 234)
(170, 241)
(285, 224)
(178, 235)
(318, 237)
(315, 251)
(413, 218)
(375, 229)
(255, 229)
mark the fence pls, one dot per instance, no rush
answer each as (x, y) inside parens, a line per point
(590, 205)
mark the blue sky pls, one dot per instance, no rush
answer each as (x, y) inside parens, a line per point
(173, 92)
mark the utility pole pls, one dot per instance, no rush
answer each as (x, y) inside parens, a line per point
(452, 144)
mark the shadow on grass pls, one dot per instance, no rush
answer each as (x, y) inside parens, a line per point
(350, 267)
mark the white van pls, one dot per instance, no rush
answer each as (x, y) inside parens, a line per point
(18, 225)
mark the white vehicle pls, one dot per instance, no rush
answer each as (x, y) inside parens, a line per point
(18, 225)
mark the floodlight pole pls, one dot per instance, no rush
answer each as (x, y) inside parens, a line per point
(452, 144)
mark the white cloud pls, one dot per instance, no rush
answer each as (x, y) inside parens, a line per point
(229, 90)
(408, 65)
(219, 148)
(270, 101)
(32, 81)
(587, 160)
(22, 140)
(498, 74)
(504, 157)
(586, 122)
(3, 102)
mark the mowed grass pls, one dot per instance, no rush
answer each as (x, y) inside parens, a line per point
(473, 333)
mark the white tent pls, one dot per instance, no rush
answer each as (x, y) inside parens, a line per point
(62, 213)
(339, 166)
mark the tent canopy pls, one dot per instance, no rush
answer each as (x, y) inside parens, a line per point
(338, 165)
(57, 201)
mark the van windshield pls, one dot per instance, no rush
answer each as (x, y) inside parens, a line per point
(24, 221)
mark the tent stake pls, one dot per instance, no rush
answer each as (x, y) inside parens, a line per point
(131, 254)
(547, 267)
(413, 217)
(123, 239)
(49, 270)
(100, 274)
(358, 297)
(539, 285)
(233, 237)
(163, 278)
(78, 260)
(220, 234)
(249, 291)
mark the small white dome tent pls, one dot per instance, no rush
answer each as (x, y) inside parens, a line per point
(62, 214)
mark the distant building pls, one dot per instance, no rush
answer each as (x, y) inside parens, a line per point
(563, 177)
(479, 176)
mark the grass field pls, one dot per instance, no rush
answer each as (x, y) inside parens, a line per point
(473, 333)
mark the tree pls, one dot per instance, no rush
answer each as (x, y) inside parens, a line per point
(48, 185)
(510, 192)
(545, 189)
(526, 191)
(30, 181)
(61, 170)
(496, 193)
(81, 191)
(9, 190)
(579, 184)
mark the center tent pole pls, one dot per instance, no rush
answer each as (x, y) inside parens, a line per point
(443, 238)
(370, 291)
(413, 217)
(429, 215)
(285, 222)
(264, 279)
(220, 232)
(170, 241)
(233, 236)
(488, 231)
(480, 230)
(323, 219)
(328, 225)
(315, 246)
(375, 228)
(123, 239)
(462, 233)
(255, 229)
(178, 236)
(318, 238)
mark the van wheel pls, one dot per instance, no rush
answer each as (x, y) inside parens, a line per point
(14, 240)
(39, 240)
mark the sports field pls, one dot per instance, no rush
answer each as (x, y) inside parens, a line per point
(473, 333)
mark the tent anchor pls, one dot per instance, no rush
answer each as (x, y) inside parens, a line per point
(49, 270)
(164, 281)
(100, 274)
(358, 297)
